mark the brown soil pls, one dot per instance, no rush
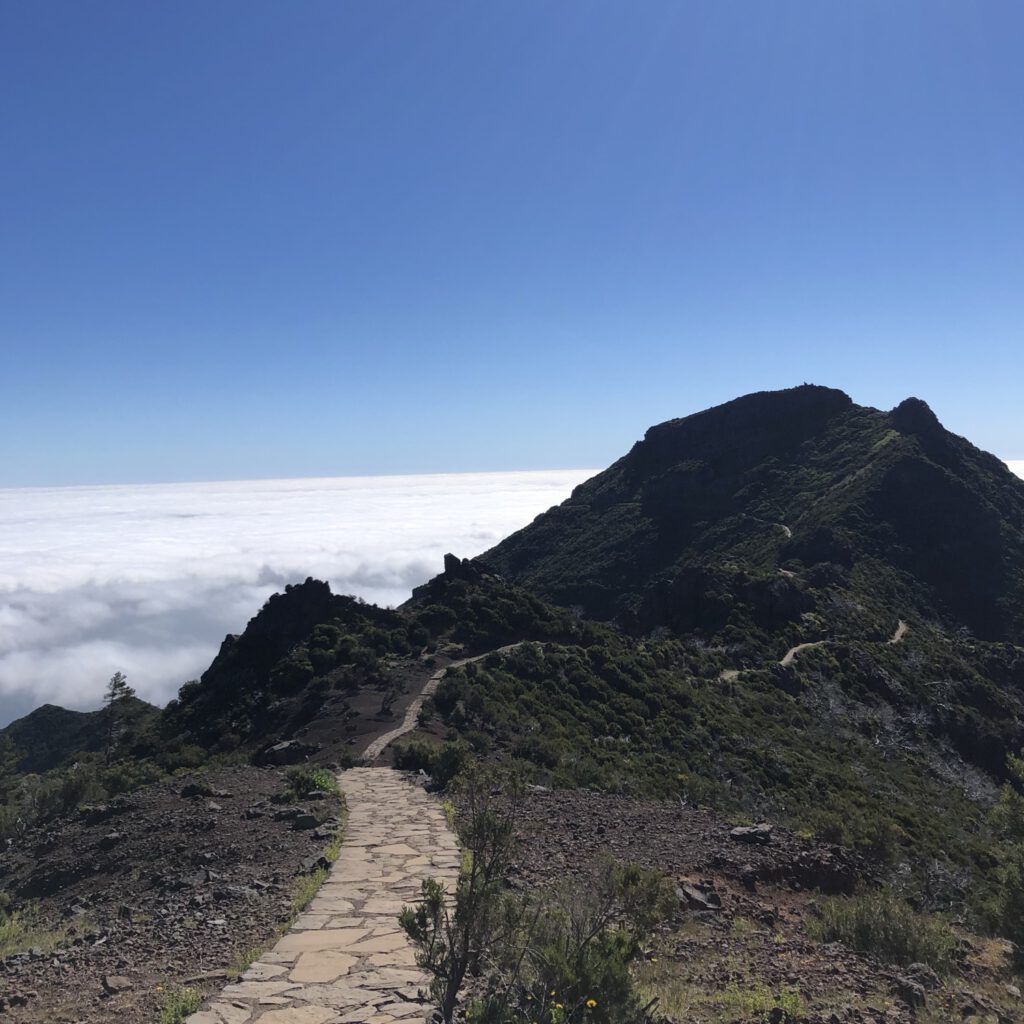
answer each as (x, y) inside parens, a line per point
(158, 888)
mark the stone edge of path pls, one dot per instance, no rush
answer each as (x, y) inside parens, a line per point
(345, 960)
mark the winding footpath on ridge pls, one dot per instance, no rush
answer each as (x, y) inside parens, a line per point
(787, 659)
(345, 960)
(729, 675)
(408, 723)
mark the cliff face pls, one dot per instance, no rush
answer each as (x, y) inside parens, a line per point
(783, 487)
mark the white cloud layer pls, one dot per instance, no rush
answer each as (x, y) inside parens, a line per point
(1017, 465)
(149, 579)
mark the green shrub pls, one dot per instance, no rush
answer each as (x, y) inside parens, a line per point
(178, 1005)
(414, 756)
(882, 924)
(303, 780)
(1009, 901)
(442, 763)
(564, 955)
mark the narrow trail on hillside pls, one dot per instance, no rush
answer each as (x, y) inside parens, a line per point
(408, 723)
(787, 532)
(901, 631)
(345, 960)
(729, 675)
(790, 655)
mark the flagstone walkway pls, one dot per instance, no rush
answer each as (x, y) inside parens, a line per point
(345, 960)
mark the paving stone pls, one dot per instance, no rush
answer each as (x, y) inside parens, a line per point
(381, 944)
(255, 989)
(232, 1013)
(322, 967)
(324, 938)
(299, 1015)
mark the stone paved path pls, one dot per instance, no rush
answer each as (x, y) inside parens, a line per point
(345, 960)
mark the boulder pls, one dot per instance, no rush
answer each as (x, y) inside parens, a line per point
(755, 834)
(114, 983)
(911, 992)
(698, 897)
(288, 752)
(924, 976)
(110, 840)
(748, 876)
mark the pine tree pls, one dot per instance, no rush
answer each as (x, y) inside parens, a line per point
(115, 702)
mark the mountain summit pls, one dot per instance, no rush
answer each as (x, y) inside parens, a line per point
(766, 509)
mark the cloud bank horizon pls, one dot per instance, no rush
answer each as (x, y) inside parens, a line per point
(148, 579)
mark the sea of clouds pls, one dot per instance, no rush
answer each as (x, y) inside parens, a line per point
(148, 579)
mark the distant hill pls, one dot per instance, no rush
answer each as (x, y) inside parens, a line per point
(49, 736)
(761, 511)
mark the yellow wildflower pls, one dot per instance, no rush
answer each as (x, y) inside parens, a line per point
(591, 1003)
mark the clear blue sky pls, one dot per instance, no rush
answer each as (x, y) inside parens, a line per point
(258, 239)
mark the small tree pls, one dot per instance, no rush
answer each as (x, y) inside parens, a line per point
(1007, 818)
(453, 933)
(115, 705)
(8, 767)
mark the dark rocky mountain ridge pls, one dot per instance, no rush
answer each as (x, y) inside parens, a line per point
(747, 497)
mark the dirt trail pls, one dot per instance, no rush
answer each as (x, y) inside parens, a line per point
(790, 655)
(408, 723)
(902, 629)
(768, 522)
(730, 674)
(345, 959)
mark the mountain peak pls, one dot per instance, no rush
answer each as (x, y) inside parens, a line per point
(914, 416)
(725, 517)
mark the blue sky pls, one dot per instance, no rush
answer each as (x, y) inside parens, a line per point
(270, 239)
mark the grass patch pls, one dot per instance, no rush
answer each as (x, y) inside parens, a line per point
(679, 997)
(743, 926)
(176, 1006)
(449, 813)
(882, 924)
(304, 891)
(244, 960)
(307, 886)
(332, 851)
(20, 931)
